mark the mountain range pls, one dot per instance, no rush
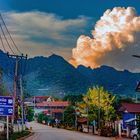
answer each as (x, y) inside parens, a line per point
(53, 75)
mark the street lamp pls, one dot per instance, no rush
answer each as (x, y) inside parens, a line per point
(138, 86)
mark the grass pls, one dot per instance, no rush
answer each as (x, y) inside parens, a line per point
(16, 135)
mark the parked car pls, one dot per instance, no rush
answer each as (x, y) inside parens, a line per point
(134, 134)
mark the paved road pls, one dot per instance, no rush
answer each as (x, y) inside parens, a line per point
(43, 132)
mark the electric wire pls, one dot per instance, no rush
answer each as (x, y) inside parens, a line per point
(9, 34)
(2, 44)
(7, 73)
(6, 40)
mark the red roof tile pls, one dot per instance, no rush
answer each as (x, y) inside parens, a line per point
(57, 103)
(130, 107)
(46, 111)
(57, 111)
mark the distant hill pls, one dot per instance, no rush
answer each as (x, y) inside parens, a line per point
(55, 76)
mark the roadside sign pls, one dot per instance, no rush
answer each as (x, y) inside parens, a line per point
(6, 111)
(6, 106)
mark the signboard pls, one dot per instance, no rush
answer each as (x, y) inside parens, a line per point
(6, 106)
(127, 116)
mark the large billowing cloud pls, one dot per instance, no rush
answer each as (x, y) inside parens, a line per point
(116, 36)
(39, 33)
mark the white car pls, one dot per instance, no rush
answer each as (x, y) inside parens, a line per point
(134, 134)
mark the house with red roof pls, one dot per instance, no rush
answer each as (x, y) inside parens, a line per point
(47, 105)
(133, 108)
(52, 108)
(129, 113)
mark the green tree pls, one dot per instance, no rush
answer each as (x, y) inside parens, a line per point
(41, 117)
(98, 96)
(69, 116)
(2, 87)
(73, 99)
(30, 114)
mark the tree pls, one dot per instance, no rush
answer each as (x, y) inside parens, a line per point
(91, 102)
(30, 114)
(69, 116)
(73, 99)
(2, 88)
(41, 117)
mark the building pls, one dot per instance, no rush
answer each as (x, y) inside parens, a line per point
(129, 113)
(47, 105)
(50, 106)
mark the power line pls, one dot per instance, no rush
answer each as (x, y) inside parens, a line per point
(18, 63)
(2, 43)
(6, 39)
(9, 34)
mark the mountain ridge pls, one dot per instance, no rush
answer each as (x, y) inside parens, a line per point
(53, 75)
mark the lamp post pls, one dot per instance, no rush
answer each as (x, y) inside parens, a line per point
(138, 86)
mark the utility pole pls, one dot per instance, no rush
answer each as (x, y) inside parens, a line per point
(17, 58)
(99, 108)
(11, 44)
(15, 87)
(22, 103)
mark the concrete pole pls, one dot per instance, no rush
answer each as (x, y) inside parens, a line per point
(119, 129)
(15, 89)
(98, 107)
(22, 104)
(7, 127)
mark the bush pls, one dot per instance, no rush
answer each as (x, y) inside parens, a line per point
(41, 117)
(108, 131)
(16, 135)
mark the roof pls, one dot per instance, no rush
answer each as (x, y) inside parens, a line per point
(57, 103)
(57, 111)
(130, 107)
(46, 112)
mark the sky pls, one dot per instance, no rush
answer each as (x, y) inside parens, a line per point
(43, 27)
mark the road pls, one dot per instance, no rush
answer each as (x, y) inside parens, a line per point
(43, 132)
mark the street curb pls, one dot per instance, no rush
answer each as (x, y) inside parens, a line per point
(23, 138)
